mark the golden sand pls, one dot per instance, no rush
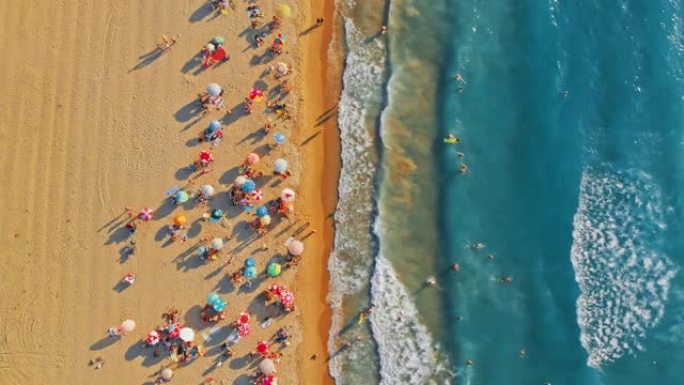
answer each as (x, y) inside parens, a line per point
(92, 120)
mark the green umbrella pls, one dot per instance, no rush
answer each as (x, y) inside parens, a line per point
(274, 269)
(218, 40)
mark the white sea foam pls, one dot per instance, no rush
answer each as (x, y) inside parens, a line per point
(349, 263)
(623, 275)
(406, 349)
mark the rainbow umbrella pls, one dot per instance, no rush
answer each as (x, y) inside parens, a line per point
(274, 269)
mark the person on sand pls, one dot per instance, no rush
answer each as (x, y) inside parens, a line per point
(431, 281)
(383, 30)
(167, 42)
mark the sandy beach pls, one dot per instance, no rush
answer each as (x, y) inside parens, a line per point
(94, 119)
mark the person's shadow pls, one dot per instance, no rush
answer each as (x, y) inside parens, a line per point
(103, 343)
(200, 13)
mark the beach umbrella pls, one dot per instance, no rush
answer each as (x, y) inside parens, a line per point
(262, 347)
(295, 247)
(274, 269)
(262, 211)
(267, 366)
(214, 90)
(283, 10)
(216, 215)
(252, 158)
(217, 243)
(218, 305)
(256, 95)
(206, 156)
(180, 220)
(244, 329)
(281, 69)
(167, 374)
(172, 191)
(182, 196)
(201, 251)
(250, 262)
(279, 138)
(279, 40)
(187, 334)
(287, 298)
(243, 318)
(146, 214)
(265, 220)
(270, 380)
(287, 195)
(207, 190)
(280, 165)
(152, 338)
(127, 326)
(239, 181)
(257, 195)
(218, 40)
(213, 297)
(250, 272)
(248, 186)
(173, 330)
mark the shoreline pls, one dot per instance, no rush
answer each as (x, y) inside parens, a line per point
(321, 90)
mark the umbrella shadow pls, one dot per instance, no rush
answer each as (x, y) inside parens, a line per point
(264, 58)
(147, 59)
(191, 64)
(193, 319)
(200, 13)
(255, 137)
(237, 112)
(240, 362)
(192, 142)
(165, 209)
(119, 235)
(184, 173)
(262, 150)
(252, 285)
(161, 234)
(276, 183)
(188, 111)
(243, 379)
(189, 263)
(195, 229)
(229, 176)
(224, 286)
(120, 286)
(103, 343)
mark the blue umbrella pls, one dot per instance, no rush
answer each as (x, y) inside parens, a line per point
(262, 211)
(248, 186)
(279, 138)
(219, 305)
(249, 262)
(201, 251)
(216, 215)
(213, 297)
(250, 272)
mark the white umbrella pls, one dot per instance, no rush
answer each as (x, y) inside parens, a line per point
(127, 326)
(281, 69)
(207, 190)
(239, 181)
(217, 243)
(295, 247)
(280, 165)
(287, 195)
(167, 373)
(267, 366)
(214, 89)
(187, 334)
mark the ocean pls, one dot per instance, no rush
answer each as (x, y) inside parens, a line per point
(570, 116)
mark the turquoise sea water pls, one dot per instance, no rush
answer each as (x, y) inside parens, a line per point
(571, 117)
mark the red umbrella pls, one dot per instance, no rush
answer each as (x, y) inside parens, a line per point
(243, 318)
(206, 156)
(286, 298)
(146, 214)
(277, 289)
(257, 195)
(174, 330)
(262, 348)
(244, 329)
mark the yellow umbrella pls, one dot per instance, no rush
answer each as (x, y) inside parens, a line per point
(180, 220)
(283, 10)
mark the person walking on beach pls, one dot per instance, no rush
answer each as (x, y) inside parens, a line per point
(320, 21)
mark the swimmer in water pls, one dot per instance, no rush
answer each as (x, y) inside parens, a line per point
(431, 281)
(490, 257)
(463, 169)
(451, 139)
(506, 279)
(456, 267)
(478, 246)
(460, 155)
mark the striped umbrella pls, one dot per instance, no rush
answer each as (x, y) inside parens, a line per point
(146, 214)
(257, 195)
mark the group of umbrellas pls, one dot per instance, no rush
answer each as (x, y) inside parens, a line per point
(273, 269)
